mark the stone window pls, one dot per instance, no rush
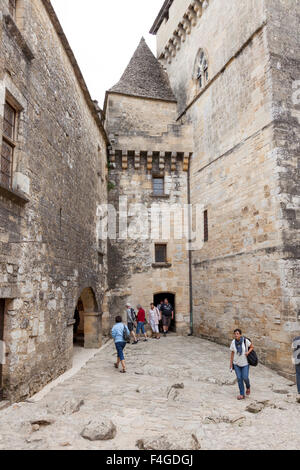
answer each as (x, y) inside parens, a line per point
(12, 6)
(158, 186)
(160, 253)
(8, 144)
(205, 217)
(201, 68)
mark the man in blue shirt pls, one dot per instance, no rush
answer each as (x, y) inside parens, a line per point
(120, 333)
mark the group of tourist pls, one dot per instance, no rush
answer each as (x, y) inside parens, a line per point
(242, 349)
(159, 316)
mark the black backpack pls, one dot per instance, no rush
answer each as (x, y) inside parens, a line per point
(252, 357)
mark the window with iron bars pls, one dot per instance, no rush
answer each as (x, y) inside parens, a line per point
(8, 145)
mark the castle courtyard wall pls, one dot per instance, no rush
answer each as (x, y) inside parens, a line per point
(49, 250)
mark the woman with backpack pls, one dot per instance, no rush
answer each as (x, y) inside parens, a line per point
(120, 334)
(240, 349)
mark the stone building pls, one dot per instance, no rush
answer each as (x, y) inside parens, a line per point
(213, 121)
(232, 68)
(52, 178)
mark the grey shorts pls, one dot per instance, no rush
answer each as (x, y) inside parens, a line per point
(166, 320)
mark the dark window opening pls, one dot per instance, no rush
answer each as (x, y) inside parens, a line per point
(8, 145)
(160, 253)
(158, 186)
(205, 226)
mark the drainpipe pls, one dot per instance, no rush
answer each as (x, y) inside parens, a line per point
(190, 218)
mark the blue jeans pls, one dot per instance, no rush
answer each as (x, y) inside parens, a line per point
(120, 347)
(298, 377)
(242, 374)
(140, 326)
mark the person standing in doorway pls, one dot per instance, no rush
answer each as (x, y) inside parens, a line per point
(119, 333)
(167, 315)
(240, 348)
(296, 360)
(154, 317)
(160, 325)
(131, 319)
(141, 319)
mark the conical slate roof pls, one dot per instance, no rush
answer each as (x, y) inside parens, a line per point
(144, 76)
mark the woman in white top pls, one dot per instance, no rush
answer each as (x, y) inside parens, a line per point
(240, 349)
(153, 318)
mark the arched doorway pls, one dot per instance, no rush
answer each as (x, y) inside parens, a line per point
(157, 298)
(87, 329)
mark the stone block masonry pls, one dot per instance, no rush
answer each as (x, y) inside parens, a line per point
(48, 216)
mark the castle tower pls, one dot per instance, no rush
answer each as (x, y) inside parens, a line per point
(148, 163)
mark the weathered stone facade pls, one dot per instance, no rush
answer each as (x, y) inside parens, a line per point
(244, 167)
(216, 118)
(49, 251)
(147, 142)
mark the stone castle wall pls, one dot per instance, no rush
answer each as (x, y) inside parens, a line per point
(48, 240)
(241, 277)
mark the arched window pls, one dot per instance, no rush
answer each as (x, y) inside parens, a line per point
(201, 68)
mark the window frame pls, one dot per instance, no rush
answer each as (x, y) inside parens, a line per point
(10, 141)
(160, 245)
(154, 178)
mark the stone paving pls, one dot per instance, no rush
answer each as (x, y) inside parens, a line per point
(175, 387)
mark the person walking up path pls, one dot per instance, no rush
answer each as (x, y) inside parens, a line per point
(154, 318)
(240, 348)
(131, 319)
(141, 319)
(167, 315)
(119, 333)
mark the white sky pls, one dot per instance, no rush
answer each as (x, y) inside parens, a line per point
(104, 35)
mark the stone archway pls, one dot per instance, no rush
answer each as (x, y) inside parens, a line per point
(92, 325)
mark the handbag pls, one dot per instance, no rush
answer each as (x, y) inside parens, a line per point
(126, 337)
(252, 357)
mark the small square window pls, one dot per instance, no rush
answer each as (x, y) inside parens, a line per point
(160, 253)
(158, 186)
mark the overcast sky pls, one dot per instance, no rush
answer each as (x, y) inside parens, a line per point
(104, 35)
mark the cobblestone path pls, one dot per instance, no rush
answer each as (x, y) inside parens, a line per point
(149, 402)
